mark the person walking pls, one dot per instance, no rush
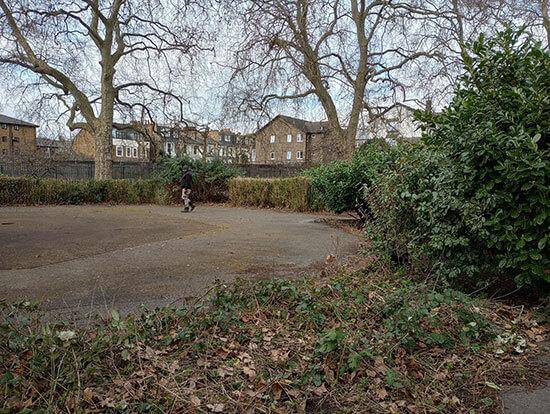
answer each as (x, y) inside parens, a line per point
(186, 184)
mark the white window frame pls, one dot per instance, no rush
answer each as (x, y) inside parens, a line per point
(121, 148)
(289, 155)
(299, 155)
(4, 126)
(272, 139)
(289, 138)
(299, 138)
(272, 156)
(16, 127)
(128, 152)
(134, 152)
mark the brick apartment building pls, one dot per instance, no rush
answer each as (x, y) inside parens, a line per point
(224, 144)
(128, 144)
(292, 140)
(17, 137)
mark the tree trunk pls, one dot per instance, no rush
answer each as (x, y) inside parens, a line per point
(546, 20)
(103, 151)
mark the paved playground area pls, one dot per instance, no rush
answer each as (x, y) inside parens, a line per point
(83, 259)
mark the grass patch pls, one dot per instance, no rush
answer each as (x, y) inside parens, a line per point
(361, 342)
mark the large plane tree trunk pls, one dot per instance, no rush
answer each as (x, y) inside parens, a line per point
(103, 151)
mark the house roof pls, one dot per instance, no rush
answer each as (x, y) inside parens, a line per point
(4, 119)
(301, 124)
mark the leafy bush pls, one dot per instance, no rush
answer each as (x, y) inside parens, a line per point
(293, 193)
(340, 186)
(210, 178)
(472, 203)
(30, 191)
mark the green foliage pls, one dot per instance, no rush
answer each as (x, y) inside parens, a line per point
(293, 193)
(471, 204)
(395, 342)
(210, 178)
(32, 191)
(331, 340)
(339, 186)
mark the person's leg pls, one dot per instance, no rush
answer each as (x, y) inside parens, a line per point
(185, 199)
(191, 204)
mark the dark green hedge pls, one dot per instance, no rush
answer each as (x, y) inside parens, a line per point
(470, 204)
(33, 191)
(210, 178)
(294, 193)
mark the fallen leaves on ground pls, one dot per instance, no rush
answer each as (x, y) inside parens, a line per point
(361, 342)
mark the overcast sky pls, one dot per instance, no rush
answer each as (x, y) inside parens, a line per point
(202, 82)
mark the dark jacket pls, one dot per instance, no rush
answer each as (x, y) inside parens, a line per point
(186, 180)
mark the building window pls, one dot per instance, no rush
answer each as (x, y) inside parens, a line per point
(299, 138)
(272, 139)
(128, 152)
(119, 151)
(272, 155)
(134, 152)
(4, 126)
(4, 139)
(15, 139)
(289, 138)
(289, 155)
(16, 127)
(299, 155)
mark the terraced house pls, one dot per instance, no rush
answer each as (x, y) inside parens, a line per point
(128, 144)
(292, 140)
(17, 137)
(225, 145)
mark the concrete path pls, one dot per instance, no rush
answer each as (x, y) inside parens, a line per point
(92, 258)
(522, 400)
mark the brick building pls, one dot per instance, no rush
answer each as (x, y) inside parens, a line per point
(141, 142)
(17, 137)
(292, 140)
(128, 144)
(224, 144)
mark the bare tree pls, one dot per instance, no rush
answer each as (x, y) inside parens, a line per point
(96, 56)
(353, 56)
(545, 20)
(332, 50)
